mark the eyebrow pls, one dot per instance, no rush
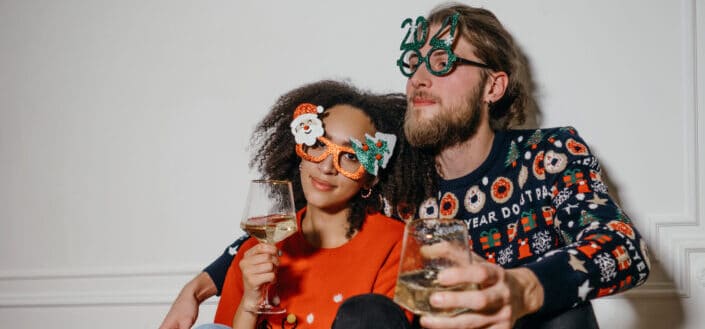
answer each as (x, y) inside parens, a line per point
(347, 142)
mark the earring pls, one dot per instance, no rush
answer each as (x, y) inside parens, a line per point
(365, 193)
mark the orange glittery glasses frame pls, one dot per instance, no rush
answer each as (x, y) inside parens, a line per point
(334, 150)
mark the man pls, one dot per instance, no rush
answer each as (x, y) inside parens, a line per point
(538, 213)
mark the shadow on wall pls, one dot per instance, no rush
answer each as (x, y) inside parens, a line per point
(657, 312)
(670, 312)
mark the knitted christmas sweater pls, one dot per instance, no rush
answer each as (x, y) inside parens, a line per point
(539, 201)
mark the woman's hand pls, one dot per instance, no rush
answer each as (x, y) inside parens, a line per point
(258, 266)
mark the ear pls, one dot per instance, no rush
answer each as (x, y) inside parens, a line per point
(371, 182)
(496, 86)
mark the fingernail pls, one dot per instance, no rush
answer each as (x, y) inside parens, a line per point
(436, 299)
(426, 321)
(442, 276)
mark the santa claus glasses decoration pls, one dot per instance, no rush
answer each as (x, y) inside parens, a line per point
(351, 161)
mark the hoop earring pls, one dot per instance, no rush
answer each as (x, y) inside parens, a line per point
(365, 193)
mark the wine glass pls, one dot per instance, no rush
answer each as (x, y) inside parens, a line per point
(429, 246)
(270, 217)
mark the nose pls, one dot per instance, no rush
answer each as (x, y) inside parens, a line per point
(420, 78)
(326, 166)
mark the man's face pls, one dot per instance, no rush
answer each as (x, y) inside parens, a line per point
(443, 111)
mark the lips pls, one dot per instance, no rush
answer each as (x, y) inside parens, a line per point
(423, 98)
(419, 101)
(321, 185)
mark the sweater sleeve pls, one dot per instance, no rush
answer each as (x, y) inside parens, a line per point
(603, 253)
(219, 267)
(232, 287)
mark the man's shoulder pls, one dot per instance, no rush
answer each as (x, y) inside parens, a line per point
(561, 132)
(565, 137)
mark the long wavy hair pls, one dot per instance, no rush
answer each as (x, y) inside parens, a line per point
(407, 179)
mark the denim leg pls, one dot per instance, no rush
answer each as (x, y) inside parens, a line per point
(212, 326)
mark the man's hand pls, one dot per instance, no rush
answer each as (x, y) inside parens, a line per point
(504, 296)
(184, 311)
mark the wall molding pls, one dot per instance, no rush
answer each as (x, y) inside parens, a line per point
(138, 285)
(675, 239)
(99, 272)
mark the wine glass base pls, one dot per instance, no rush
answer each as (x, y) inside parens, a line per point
(269, 309)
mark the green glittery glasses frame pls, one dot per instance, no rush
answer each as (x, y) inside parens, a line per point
(440, 60)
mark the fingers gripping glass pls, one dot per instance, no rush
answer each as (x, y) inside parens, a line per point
(344, 159)
(429, 246)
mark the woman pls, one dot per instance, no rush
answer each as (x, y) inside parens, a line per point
(343, 151)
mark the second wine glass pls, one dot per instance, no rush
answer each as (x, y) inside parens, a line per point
(429, 246)
(270, 217)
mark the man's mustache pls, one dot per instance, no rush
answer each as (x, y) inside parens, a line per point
(423, 95)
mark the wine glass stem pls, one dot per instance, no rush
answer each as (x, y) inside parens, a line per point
(265, 302)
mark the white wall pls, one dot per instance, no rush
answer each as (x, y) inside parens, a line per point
(124, 127)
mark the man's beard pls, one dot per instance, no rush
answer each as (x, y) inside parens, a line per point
(452, 125)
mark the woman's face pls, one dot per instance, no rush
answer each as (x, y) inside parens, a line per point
(325, 187)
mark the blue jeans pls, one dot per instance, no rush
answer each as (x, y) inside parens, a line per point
(212, 326)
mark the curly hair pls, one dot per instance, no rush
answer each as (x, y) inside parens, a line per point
(408, 177)
(495, 46)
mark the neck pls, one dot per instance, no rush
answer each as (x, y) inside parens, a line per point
(463, 158)
(324, 229)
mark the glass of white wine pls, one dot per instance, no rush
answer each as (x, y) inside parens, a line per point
(429, 246)
(270, 217)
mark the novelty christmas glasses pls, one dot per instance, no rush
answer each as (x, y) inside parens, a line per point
(440, 59)
(368, 155)
(344, 159)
